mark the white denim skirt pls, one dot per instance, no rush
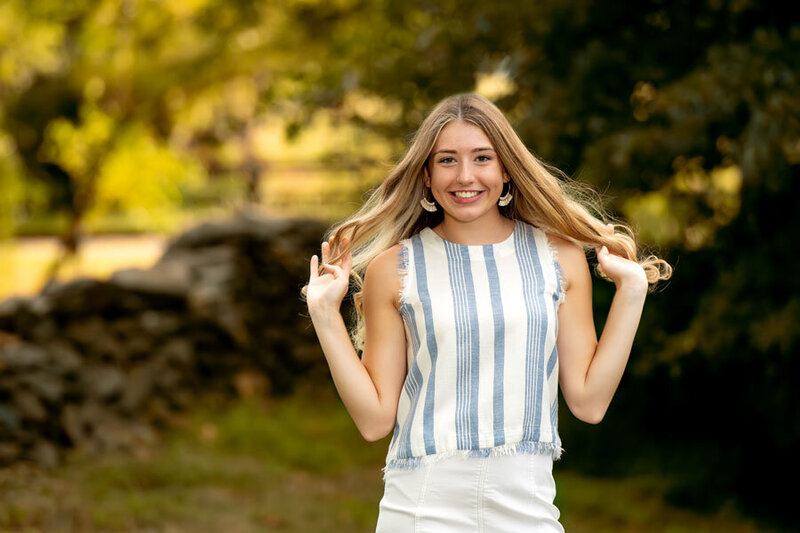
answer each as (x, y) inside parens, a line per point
(499, 493)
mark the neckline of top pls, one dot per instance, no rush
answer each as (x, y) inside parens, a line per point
(508, 241)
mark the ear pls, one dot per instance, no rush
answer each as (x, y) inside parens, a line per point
(426, 177)
(506, 179)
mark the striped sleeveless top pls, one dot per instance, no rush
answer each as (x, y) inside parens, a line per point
(481, 326)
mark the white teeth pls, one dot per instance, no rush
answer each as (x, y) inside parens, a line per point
(466, 194)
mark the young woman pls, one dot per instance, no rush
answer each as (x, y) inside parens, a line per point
(474, 308)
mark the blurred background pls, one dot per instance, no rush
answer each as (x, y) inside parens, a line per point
(167, 169)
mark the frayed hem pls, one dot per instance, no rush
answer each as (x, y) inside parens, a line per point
(525, 447)
(402, 270)
(561, 277)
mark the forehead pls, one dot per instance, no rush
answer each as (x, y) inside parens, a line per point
(459, 134)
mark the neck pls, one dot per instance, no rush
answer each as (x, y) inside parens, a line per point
(475, 232)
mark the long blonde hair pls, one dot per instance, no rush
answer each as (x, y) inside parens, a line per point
(393, 211)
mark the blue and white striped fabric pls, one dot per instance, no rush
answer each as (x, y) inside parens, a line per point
(481, 326)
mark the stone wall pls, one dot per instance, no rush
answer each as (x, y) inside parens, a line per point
(100, 365)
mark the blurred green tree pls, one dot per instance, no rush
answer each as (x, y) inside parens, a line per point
(97, 95)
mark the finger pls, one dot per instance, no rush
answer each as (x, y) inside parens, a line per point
(343, 244)
(347, 263)
(346, 260)
(335, 248)
(339, 249)
(325, 252)
(329, 247)
(314, 267)
(335, 270)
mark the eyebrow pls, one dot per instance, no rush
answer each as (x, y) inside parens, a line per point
(454, 152)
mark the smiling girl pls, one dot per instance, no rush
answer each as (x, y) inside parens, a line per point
(474, 310)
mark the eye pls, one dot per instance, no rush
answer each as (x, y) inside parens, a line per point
(486, 156)
(444, 159)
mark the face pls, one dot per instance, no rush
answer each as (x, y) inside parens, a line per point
(466, 175)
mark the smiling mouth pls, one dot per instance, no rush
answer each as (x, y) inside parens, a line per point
(465, 194)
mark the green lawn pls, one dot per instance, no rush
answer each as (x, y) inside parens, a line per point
(294, 465)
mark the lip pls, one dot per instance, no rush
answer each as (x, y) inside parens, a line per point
(474, 199)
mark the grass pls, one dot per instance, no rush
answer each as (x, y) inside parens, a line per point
(635, 504)
(291, 465)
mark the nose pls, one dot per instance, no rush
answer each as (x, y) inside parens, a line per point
(464, 173)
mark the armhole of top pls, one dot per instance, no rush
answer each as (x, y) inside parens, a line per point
(561, 278)
(402, 270)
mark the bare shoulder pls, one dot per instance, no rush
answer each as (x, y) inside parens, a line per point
(571, 256)
(383, 274)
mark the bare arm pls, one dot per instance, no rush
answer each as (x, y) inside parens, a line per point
(590, 371)
(370, 386)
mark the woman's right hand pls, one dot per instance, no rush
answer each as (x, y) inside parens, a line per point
(326, 291)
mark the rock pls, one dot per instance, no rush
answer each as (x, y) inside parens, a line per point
(71, 295)
(168, 379)
(86, 297)
(158, 323)
(93, 333)
(29, 406)
(79, 422)
(9, 418)
(85, 331)
(165, 279)
(9, 452)
(44, 331)
(45, 384)
(177, 352)
(41, 305)
(10, 307)
(138, 347)
(22, 356)
(45, 453)
(65, 359)
(140, 384)
(9, 310)
(72, 423)
(103, 382)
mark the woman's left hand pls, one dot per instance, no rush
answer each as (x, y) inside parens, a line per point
(619, 269)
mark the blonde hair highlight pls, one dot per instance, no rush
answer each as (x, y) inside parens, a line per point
(563, 206)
